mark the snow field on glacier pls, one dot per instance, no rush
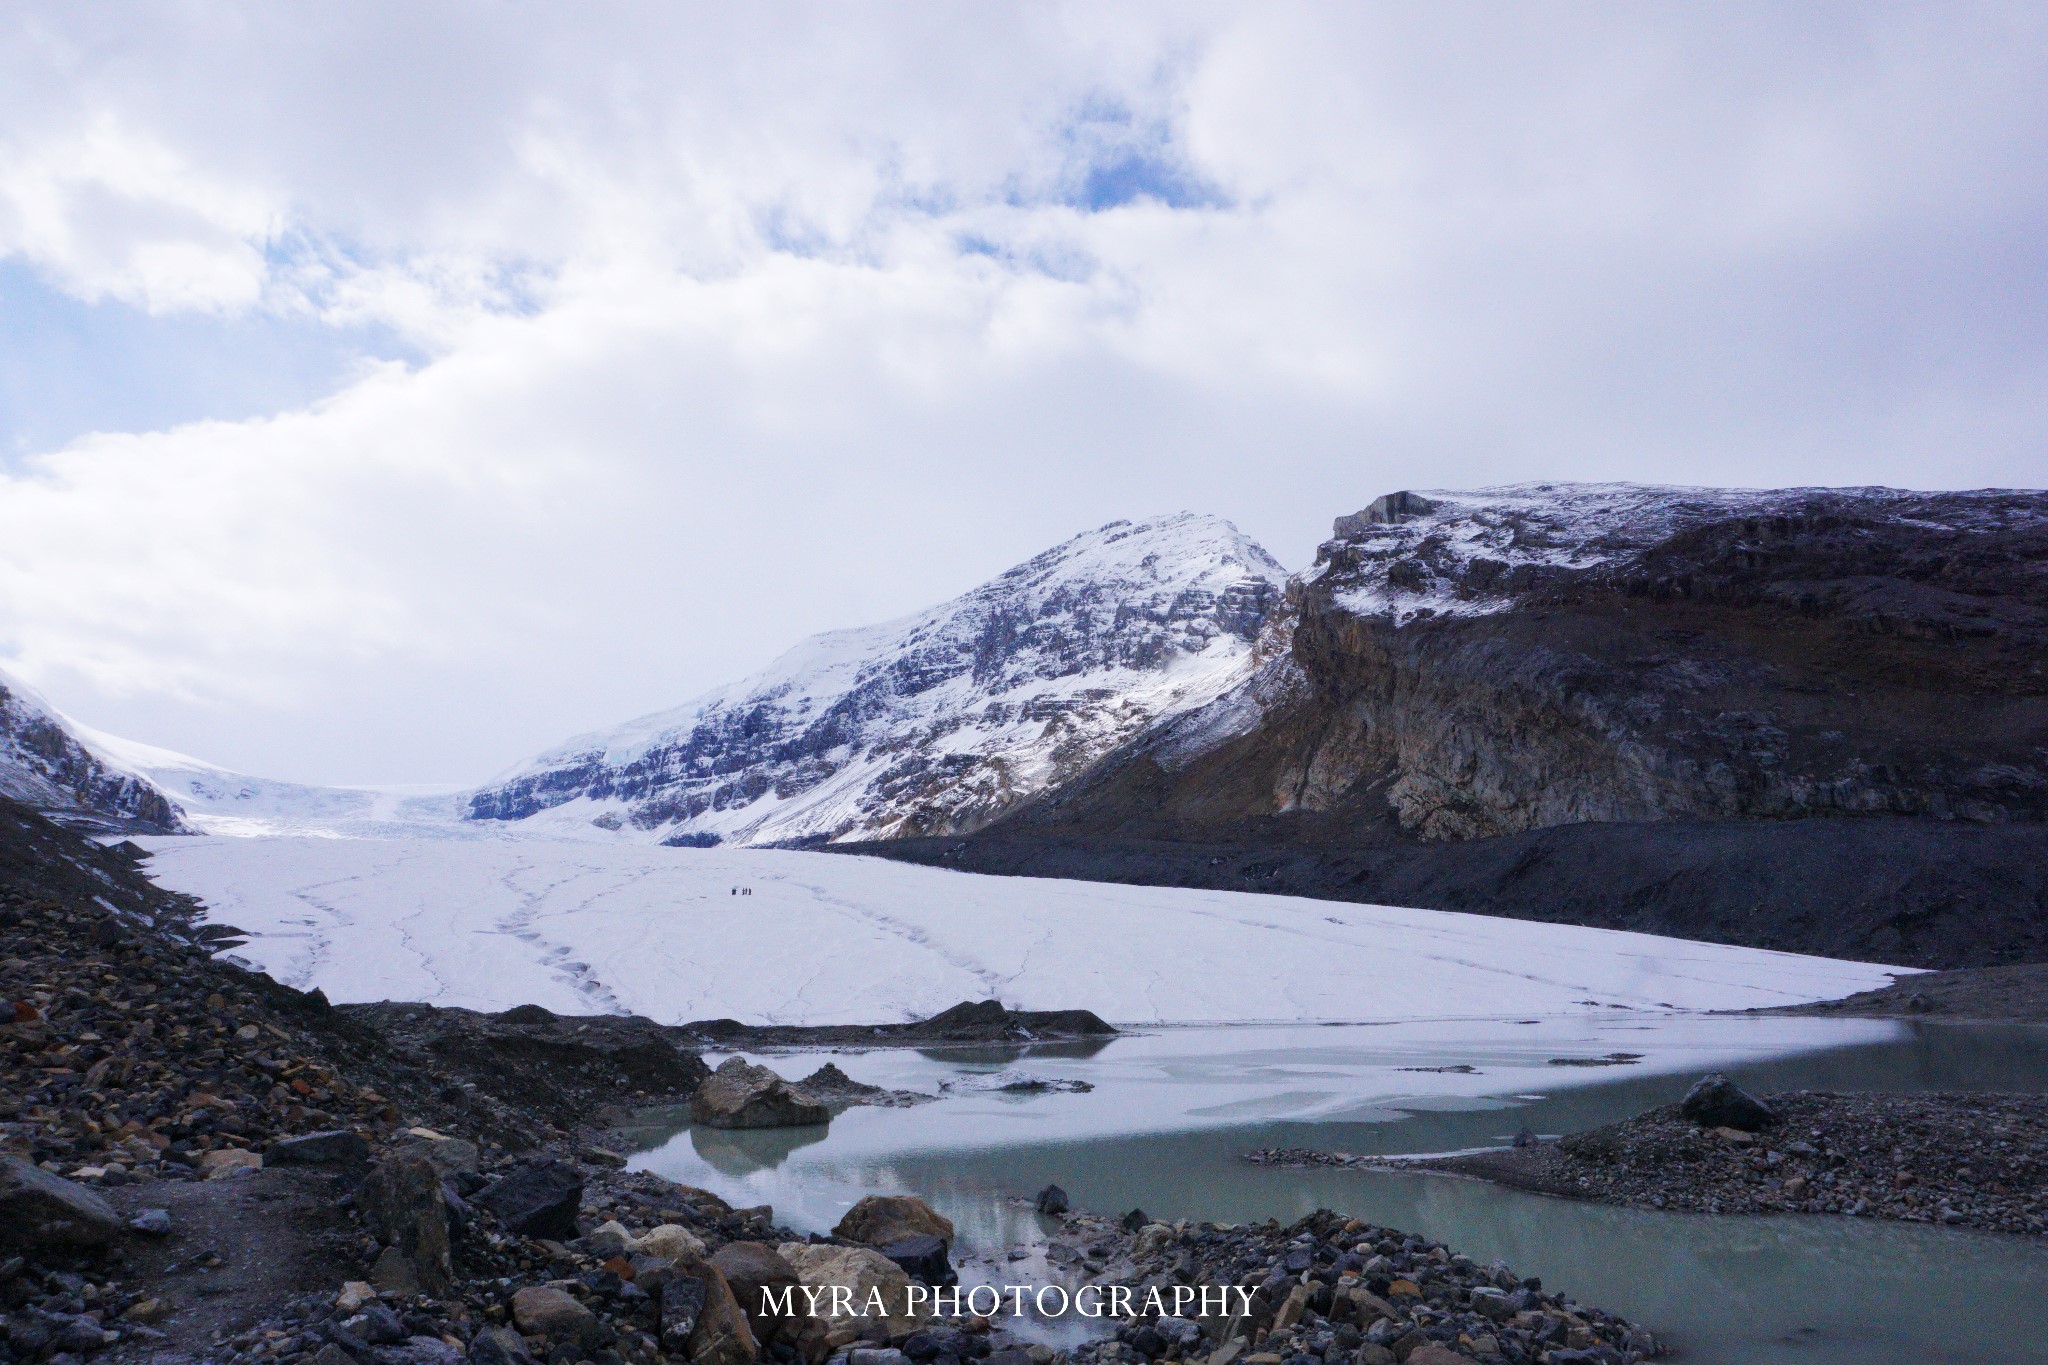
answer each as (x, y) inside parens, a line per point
(581, 927)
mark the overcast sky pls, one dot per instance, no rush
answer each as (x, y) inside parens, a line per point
(390, 390)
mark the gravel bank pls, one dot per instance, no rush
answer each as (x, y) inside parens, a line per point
(1976, 1161)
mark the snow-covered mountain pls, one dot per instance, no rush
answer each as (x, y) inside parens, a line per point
(47, 762)
(936, 723)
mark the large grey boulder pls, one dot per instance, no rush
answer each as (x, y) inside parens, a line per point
(39, 1210)
(742, 1095)
(1717, 1102)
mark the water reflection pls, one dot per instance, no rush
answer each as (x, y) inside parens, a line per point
(743, 1151)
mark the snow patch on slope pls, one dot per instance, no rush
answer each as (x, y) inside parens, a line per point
(581, 927)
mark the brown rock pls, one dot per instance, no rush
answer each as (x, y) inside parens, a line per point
(544, 1310)
(1429, 1353)
(722, 1335)
(754, 1270)
(742, 1095)
(883, 1218)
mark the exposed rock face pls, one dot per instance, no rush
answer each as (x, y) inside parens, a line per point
(1469, 665)
(46, 766)
(938, 723)
(741, 1095)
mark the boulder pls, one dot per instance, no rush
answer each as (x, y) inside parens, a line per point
(223, 1162)
(1717, 1102)
(671, 1242)
(863, 1271)
(701, 1317)
(923, 1258)
(402, 1202)
(42, 1211)
(754, 1270)
(1052, 1200)
(499, 1346)
(546, 1311)
(451, 1156)
(336, 1147)
(883, 1218)
(538, 1198)
(742, 1095)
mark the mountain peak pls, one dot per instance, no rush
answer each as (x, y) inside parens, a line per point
(936, 722)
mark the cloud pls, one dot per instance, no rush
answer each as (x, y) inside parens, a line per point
(699, 328)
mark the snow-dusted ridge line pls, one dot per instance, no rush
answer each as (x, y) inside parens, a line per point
(938, 721)
(1421, 563)
(583, 927)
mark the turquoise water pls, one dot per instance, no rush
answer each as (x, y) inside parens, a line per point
(1172, 1112)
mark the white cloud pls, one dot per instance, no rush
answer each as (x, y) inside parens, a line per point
(736, 324)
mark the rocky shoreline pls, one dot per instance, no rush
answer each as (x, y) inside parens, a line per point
(1977, 995)
(1975, 1161)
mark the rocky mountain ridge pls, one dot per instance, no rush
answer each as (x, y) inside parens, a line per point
(936, 723)
(46, 764)
(1485, 689)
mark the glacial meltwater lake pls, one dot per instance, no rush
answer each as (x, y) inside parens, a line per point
(1173, 1109)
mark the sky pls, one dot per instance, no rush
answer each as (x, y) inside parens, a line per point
(388, 391)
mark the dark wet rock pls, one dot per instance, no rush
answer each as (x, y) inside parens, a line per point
(335, 1147)
(40, 1211)
(538, 1198)
(403, 1204)
(922, 1257)
(497, 1346)
(742, 1095)
(1052, 1200)
(883, 1218)
(1717, 1102)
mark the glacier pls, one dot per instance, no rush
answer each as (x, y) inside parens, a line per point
(590, 927)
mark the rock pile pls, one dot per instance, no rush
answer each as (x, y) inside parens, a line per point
(1334, 1289)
